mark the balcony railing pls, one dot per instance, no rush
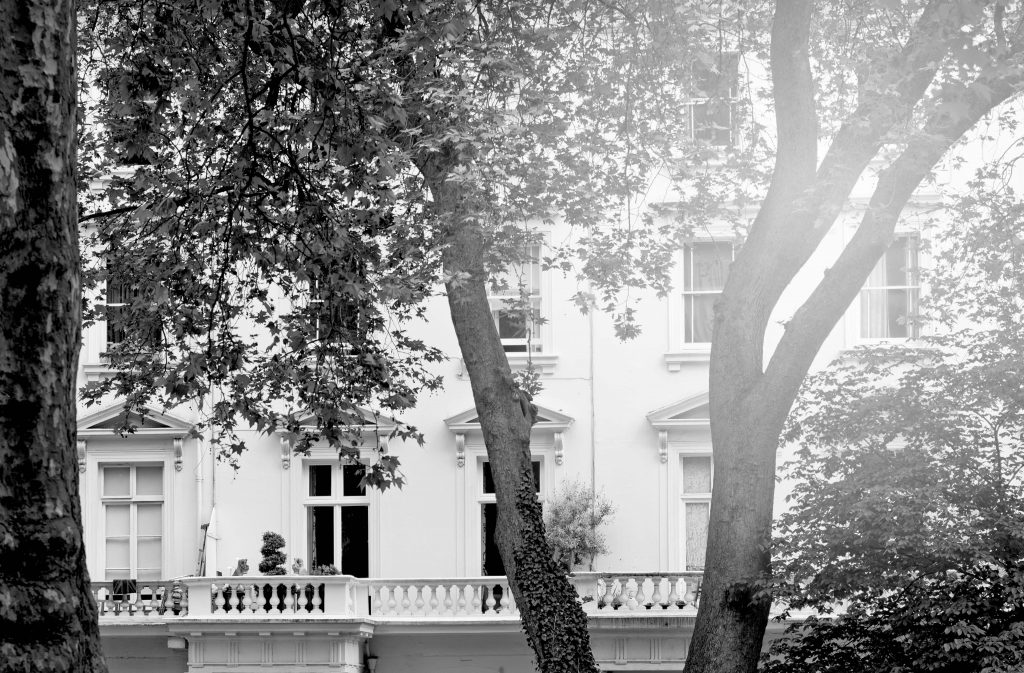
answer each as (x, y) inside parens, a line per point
(341, 596)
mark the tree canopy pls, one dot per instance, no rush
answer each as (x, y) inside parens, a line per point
(909, 508)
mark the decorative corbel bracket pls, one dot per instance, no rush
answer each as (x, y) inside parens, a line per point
(286, 453)
(382, 443)
(82, 447)
(178, 462)
(663, 445)
(460, 449)
(559, 449)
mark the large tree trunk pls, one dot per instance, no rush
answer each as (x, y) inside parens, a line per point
(555, 624)
(48, 618)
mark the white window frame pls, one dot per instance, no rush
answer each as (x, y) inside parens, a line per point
(731, 101)
(133, 500)
(337, 500)
(296, 499)
(527, 277)
(912, 290)
(483, 498)
(113, 452)
(689, 498)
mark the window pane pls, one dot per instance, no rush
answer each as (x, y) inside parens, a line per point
(150, 574)
(116, 482)
(488, 478)
(697, 475)
(149, 520)
(897, 310)
(355, 541)
(490, 559)
(352, 475)
(710, 265)
(149, 553)
(320, 480)
(872, 314)
(149, 480)
(512, 324)
(696, 515)
(699, 317)
(118, 520)
(321, 536)
(118, 556)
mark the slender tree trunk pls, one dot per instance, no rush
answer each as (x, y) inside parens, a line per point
(555, 624)
(48, 618)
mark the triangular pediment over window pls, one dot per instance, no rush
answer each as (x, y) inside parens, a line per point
(105, 421)
(687, 413)
(547, 419)
(364, 419)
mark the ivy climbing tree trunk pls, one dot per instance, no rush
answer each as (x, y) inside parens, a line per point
(48, 618)
(554, 621)
(750, 399)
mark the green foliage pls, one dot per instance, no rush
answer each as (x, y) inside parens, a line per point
(273, 558)
(330, 569)
(572, 520)
(909, 509)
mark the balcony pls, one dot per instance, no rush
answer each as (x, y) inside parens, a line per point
(291, 597)
(637, 621)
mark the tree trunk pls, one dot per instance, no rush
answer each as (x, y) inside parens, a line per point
(48, 618)
(555, 624)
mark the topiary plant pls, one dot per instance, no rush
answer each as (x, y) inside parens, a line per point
(571, 520)
(273, 558)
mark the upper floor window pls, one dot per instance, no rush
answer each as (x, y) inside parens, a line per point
(120, 295)
(337, 518)
(888, 301)
(133, 500)
(705, 268)
(515, 300)
(713, 91)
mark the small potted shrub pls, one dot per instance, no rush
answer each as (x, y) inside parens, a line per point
(572, 519)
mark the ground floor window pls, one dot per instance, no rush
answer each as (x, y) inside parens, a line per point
(133, 515)
(337, 519)
(490, 558)
(695, 504)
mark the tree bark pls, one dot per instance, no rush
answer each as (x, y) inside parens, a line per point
(554, 621)
(48, 619)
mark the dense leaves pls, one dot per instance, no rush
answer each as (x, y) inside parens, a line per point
(909, 511)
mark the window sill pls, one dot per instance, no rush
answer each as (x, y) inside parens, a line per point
(543, 363)
(97, 372)
(695, 354)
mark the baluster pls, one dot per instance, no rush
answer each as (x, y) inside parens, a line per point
(602, 594)
(274, 603)
(449, 604)
(247, 601)
(462, 606)
(233, 601)
(392, 600)
(180, 597)
(506, 594)
(620, 598)
(376, 604)
(406, 600)
(474, 603)
(693, 590)
(489, 603)
(637, 599)
(162, 606)
(289, 598)
(300, 599)
(316, 603)
(420, 603)
(656, 593)
(218, 599)
(673, 594)
(435, 601)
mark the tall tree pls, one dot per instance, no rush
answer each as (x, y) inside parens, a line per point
(48, 619)
(909, 503)
(912, 91)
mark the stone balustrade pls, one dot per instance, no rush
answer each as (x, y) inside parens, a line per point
(340, 596)
(447, 597)
(603, 592)
(140, 599)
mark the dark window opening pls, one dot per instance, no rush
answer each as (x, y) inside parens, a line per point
(488, 478)
(355, 535)
(320, 480)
